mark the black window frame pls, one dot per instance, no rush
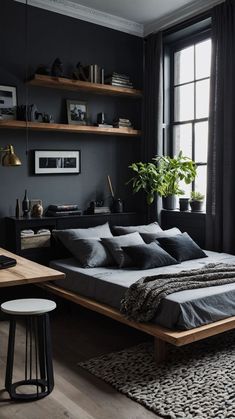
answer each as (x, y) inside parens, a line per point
(180, 37)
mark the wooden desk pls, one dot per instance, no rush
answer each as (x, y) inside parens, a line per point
(26, 272)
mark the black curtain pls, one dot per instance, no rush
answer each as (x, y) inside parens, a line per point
(220, 223)
(153, 107)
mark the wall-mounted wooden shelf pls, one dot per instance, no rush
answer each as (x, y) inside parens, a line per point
(75, 85)
(79, 129)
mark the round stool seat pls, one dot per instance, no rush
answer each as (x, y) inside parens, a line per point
(28, 306)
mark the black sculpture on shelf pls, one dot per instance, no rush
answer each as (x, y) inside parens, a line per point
(30, 113)
(57, 68)
(44, 70)
(25, 205)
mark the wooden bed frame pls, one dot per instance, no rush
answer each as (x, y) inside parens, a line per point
(161, 335)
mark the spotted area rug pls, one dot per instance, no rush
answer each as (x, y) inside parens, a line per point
(198, 381)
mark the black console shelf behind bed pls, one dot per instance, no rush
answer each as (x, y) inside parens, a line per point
(43, 255)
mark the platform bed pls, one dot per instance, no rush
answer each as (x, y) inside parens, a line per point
(161, 335)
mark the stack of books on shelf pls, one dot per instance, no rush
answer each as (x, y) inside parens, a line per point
(63, 210)
(122, 123)
(121, 80)
(102, 210)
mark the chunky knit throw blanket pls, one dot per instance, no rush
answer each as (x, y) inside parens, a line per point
(142, 298)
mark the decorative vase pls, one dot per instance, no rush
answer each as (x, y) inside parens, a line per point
(17, 211)
(168, 202)
(196, 206)
(25, 205)
(184, 204)
(117, 205)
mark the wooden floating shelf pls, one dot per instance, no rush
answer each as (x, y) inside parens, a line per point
(76, 85)
(79, 129)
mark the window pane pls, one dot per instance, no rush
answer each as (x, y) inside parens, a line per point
(186, 188)
(201, 179)
(184, 102)
(184, 65)
(202, 99)
(203, 59)
(201, 142)
(182, 139)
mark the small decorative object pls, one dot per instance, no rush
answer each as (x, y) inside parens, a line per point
(17, 211)
(101, 118)
(42, 69)
(37, 210)
(184, 204)
(196, 201)
(52, 162)
(77, 112)
(27, 113)
(25, 205)
(57, 68)
(117, 205)
(33, 202)
(8, 102)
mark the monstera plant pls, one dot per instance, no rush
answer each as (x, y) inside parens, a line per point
(163, 176)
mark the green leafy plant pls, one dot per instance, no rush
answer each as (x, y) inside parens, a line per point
(197, 196)
(163, 175)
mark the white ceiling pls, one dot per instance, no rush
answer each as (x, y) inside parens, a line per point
(137, 17)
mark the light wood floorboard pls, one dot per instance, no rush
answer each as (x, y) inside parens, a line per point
(77, 335)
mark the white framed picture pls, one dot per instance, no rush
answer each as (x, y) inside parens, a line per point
(8, 102)
(52, 162)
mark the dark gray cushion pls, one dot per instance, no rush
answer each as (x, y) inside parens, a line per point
(151, 237)
(91, 253)
(68, 236)
(115, 244)
(149, 228)
(148, 256)
(181, 247)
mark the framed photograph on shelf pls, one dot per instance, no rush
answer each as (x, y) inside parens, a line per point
(76, 112)
(8, 102)
(52, 162)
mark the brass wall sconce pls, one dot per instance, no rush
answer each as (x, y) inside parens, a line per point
(9, 158)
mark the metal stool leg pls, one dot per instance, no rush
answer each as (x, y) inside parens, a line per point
(48, 353)
(10, 355)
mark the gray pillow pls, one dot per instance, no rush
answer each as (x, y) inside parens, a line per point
(149, 228)
(68, 236)
(91, 253)
(151, 237)
(114, 245)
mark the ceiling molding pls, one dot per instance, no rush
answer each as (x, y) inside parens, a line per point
(78, 11)
(179, 15)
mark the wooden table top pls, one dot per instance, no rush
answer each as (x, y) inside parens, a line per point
(26, 272)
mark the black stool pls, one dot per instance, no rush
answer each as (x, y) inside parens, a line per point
(38, 367)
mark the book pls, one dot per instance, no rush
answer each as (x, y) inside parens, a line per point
(62, 213)
(104, 125)
(102, 210)
(63, 207)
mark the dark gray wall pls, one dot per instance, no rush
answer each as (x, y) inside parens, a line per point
(51, 35)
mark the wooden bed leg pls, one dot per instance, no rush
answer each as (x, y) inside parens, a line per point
(160, 350)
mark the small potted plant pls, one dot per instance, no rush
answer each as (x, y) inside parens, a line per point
(196, 201)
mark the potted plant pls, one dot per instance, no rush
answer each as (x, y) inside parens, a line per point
(163, 177)
(196, 201)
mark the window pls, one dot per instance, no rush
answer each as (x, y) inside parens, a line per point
(189, 104)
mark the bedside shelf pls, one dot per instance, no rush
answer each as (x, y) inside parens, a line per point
(79, 129)
(75, 85)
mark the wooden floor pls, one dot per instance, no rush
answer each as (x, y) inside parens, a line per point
(77, 335)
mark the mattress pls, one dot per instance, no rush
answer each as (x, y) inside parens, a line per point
(180, 310)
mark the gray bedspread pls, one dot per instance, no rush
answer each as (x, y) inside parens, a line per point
(143, 298)
(180, 310)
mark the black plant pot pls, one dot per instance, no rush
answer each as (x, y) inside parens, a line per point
(168, 202)
(184, 204)
(196, 206)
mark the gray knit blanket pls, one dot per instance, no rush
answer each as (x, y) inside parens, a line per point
(142, 298)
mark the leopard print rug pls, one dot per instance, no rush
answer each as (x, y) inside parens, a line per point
(198, 382)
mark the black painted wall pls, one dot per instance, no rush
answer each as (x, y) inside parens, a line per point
(51, 35)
